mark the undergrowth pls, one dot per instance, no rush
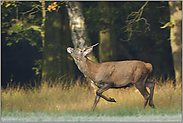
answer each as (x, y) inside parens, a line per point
(78, 99)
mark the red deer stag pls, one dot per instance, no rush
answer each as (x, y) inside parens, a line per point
(119, 74)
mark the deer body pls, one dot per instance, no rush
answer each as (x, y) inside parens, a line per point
(118, 74)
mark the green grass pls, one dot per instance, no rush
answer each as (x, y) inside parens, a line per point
(134, 111)
(77, 100)
(20, 116)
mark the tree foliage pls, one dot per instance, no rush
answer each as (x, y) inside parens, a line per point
(134, 27)
(23, 20)
(139, 24)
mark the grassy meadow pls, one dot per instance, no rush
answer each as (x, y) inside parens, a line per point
(78, 100)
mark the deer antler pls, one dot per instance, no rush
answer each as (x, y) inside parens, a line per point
(93, 45)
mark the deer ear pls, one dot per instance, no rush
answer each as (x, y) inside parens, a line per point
(87, 51)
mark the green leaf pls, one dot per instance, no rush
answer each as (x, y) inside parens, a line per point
(168, 24)
(7, 38)
(9, 44)
(33, 44)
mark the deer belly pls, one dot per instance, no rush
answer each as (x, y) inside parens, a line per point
(99, 84)
(123, 84)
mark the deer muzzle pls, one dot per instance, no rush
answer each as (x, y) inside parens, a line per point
(70, 50)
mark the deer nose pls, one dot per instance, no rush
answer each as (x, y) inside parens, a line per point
(69, 50)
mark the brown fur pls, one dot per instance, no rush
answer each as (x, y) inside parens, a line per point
(118, 74)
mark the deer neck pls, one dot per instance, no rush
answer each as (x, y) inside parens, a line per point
(88, 67)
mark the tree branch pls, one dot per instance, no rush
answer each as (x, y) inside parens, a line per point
(136, 17)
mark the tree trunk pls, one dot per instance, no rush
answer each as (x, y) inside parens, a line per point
(105, 44)
(176, 38)
(52, 47)
(67, 64)
(43, 21)
(113, 37)
(57, 38)
(78, 32)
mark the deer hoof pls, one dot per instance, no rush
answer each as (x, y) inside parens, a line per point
(152, 106)
(112, 100)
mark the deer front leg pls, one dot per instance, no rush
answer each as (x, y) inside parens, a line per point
(105, 87)
(99, 94)
(97, 98)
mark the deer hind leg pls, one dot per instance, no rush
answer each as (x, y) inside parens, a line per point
(151, 85)
(144, 93)
(139, 81)
(99, 94)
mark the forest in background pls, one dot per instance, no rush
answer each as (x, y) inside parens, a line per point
(35, 35)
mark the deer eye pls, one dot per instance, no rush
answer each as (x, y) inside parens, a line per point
(80, 51)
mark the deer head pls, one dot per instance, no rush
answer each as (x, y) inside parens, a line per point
(79, 53)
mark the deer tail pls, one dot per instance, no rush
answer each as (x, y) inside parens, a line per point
(149, 67)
